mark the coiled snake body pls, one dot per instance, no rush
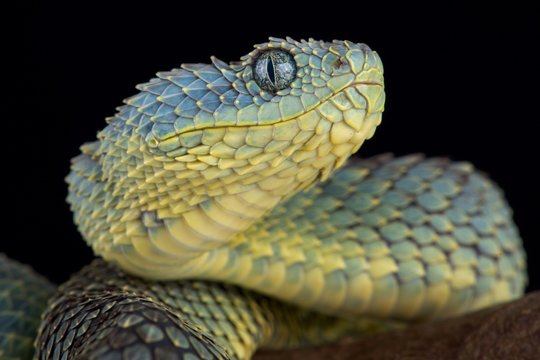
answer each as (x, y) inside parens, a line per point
(195, 191)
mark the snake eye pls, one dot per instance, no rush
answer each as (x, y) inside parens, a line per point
(274, 70)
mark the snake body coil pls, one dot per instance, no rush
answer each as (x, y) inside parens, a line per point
(200, 176)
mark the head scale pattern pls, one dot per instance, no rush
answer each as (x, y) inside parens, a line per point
(199, 96)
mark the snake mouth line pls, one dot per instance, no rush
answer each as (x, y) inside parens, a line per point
(372, 83)
(364, 83)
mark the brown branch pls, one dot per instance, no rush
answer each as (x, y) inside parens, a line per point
(509, 331)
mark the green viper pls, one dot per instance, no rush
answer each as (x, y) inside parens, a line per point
(212, 198)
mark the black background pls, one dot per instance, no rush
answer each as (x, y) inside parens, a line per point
(460, 82)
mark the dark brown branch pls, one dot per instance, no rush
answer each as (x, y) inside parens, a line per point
(509, 331)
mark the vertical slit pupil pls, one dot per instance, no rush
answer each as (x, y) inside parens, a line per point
(270, 70)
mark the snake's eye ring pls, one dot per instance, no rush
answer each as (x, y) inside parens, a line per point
(274, 70)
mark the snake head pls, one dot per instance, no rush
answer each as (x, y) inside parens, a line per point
(283, 101)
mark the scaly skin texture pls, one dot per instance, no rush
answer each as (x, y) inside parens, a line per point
(204, 319)
(201, 153)
(23, 297)
(199, 176)
(392, 238)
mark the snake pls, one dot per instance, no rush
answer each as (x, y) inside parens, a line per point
(229, 216)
